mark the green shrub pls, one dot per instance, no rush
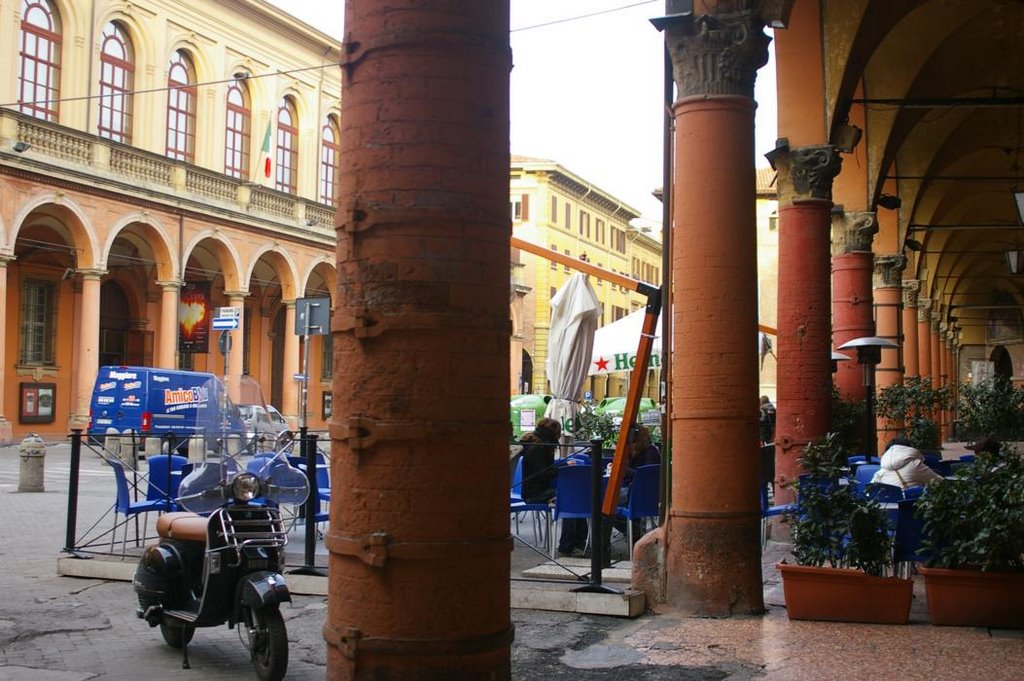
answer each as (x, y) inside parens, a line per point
(994, 408)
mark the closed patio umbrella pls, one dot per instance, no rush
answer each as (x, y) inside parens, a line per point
(575, 314)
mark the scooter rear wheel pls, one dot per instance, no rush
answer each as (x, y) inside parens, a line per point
(176, 635)
(267, 642)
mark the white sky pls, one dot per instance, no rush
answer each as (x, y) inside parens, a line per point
(587, 93)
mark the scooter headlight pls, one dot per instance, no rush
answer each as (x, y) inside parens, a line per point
(245, 487)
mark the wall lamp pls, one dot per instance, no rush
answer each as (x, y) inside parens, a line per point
(913, 245)
(846, 138)
(21, 147)
(240, 75)
(1015, 260)
(1018, 198)
(889, 201)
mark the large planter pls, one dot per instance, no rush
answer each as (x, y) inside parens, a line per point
(971, 598)
(841, 595)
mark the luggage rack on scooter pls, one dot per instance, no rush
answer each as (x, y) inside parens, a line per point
(253, 527)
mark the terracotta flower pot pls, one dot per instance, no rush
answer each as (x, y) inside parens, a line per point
(972, 598)
(841, 595)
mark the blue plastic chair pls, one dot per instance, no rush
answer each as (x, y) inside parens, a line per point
(323, 484)
(572, 495)
(644, 493)
(124, 505)
(518, 505)
(865, 472)
(859, 459)
(907, 540)
(164, 479)
(967, 458)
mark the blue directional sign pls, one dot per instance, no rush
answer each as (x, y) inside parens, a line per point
(224, 323)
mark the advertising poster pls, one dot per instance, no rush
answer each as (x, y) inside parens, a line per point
(194, 317)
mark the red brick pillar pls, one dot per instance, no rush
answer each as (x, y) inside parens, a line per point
(419, 534)
(924, 338)
(852, 314)
(888, 297)
(936, 347)
(911, 352)
(712, 552)
(804, 351)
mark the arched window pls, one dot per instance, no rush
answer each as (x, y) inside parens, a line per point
(330, 152)
(237, 128)
(39, 68)
(181, 108)
(287, 147)
(117, 79)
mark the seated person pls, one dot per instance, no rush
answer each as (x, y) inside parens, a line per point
(539, 461)
(904, 466)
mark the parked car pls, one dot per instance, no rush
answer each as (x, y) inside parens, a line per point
(262, 420)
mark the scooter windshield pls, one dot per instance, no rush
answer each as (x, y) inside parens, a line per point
(204, 490)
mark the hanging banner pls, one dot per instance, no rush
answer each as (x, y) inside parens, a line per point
(194, 317)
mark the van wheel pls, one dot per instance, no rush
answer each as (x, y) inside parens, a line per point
(176, 635)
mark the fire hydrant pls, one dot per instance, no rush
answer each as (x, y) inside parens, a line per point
(33, 454)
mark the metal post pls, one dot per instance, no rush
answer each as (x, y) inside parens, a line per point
(307, 451)
(596, 529)
(76, 460)
(870, 434)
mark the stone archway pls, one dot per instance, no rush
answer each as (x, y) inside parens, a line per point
(1002, 363)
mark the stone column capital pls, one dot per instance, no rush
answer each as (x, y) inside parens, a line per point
(91, 272)
(717, 54)
(235, 295)
(805, 173)
(889, 270)
(853, 232)
(936, 319)
(169, 285)
(911, 289)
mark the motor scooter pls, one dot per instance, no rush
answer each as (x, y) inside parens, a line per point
(221, 561)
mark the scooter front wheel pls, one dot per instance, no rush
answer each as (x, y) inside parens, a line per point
(267, 642)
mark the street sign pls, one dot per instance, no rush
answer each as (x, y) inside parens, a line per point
(312, 316)
(225, 342)
(299, 377)
(233, 312)
(224, 323)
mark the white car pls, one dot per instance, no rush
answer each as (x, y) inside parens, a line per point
(262, 420)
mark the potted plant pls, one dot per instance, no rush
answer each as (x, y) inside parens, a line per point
(911, 408)
(842, 548)
(973, 532)
(990, 408)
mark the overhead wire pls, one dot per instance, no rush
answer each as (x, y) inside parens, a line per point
(581, 16)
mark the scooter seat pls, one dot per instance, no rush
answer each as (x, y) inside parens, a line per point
(182, 525)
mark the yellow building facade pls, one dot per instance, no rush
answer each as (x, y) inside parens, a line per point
(153, 152)
(559, 210)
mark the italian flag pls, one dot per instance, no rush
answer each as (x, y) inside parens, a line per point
(264, 166)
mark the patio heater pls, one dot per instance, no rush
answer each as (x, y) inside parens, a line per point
(869, 354)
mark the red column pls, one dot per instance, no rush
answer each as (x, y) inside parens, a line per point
(852, 296)
(911, 352)
(804, 370)
(712, 546)
(419, 534)
(888, 297)
(924, 339)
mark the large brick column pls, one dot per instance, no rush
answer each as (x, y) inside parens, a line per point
(712, 559)
(852, 314)
(419, 534)
(804, 350)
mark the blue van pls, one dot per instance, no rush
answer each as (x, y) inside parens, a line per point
(159, 402)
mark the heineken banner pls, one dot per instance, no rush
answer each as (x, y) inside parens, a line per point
(615, 345)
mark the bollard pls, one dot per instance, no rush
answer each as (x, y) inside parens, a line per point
(33, 454)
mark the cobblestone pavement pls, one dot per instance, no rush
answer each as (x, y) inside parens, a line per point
(56, 628)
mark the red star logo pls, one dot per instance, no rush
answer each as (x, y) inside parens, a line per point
(602, 364)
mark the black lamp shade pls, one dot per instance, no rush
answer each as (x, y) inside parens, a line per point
(1015, 261)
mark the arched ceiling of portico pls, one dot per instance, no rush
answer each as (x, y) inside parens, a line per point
(272, 268)
(141, 240)
(210, 255)
(321, 279)
(52, 221)
(951, 163)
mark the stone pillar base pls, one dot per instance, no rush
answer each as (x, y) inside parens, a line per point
(6, 432)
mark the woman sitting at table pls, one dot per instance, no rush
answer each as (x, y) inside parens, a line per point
(903, 466)
(539, 461)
